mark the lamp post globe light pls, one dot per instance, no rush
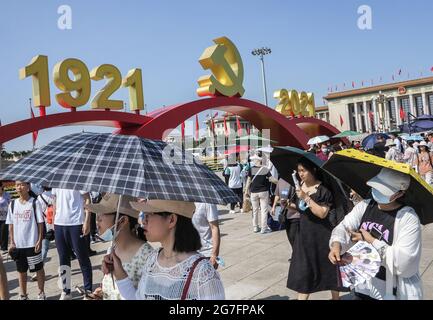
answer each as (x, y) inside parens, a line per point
(261, 52)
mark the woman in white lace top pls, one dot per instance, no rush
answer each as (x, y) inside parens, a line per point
(167, 270)
(130, 246)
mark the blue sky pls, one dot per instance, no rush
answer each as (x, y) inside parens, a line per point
(314, 44)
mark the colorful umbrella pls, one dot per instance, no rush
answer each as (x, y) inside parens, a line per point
(355, 168)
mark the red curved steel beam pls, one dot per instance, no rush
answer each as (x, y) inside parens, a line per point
(293, 132)
(115, 119)
(157, 124)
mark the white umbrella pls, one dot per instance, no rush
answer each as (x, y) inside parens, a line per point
(265, 149)
(318, 139)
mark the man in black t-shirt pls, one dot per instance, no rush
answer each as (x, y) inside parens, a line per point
(259, 179)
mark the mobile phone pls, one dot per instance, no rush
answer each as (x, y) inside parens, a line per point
(376, 233)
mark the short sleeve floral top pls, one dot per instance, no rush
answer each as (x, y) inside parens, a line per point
(133, 268)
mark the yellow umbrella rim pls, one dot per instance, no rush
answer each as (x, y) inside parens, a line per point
(401, 167)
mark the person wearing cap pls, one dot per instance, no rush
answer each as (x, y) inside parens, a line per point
(393, 152)
(129, 243)
(397, 238)
(175, 271)
(425, 162)
(258, 184)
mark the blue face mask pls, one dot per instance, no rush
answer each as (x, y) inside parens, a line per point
(107, 235)
(379, 197)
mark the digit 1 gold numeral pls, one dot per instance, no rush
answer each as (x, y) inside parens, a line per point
(101, 101)
(38, 69)
(133, 81)
(81, 83)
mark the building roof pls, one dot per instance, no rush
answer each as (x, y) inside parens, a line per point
(322, 108)
(374, 89)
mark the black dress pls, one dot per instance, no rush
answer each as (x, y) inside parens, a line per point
(310, 269)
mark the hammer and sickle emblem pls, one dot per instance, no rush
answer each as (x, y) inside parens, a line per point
(225, 62)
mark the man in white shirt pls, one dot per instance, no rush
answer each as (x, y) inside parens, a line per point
(205, 220)
(396, 141)
(25, 222)
(71, 227)
(235, 183)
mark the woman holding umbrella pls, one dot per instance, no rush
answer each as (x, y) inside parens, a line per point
(310, 270)
(175, 271)
(129, 244)
(393, 228)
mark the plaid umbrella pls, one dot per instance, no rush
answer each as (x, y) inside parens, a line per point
(125, 165)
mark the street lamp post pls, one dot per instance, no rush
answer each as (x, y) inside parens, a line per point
(261, 52)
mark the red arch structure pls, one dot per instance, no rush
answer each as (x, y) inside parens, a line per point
(294, 132)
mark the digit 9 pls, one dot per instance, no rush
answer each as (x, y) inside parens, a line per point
(81, 83)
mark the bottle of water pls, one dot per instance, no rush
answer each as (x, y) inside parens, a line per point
(220, 261)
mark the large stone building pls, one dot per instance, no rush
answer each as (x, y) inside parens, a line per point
(231, 125)
(377, 108)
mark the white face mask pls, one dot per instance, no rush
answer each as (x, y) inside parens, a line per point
(379, 197)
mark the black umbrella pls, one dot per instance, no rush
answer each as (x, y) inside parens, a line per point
(124, 165)
(285, 160)
(355, 168)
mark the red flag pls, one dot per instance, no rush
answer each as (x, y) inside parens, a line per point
(226, 132)
(182, 129)
(402, 113)
(371, 116)
(212, 123)
(197, 129)
(238, 123)
(341, 120)
(431, 69)
(34, 133)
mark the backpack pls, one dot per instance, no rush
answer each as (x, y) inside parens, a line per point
(49, 212)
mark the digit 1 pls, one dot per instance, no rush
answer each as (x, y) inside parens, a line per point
(133, 81)
(38, 69)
